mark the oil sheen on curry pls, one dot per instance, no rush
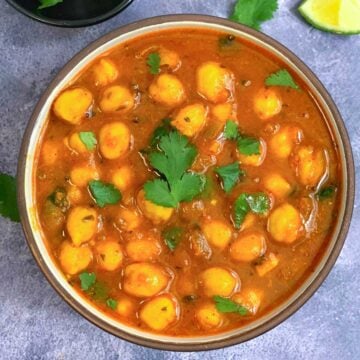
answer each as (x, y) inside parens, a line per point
(186, 183)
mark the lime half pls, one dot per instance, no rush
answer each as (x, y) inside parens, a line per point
(338, 16)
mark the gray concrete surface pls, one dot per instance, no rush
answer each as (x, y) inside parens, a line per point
(36, 324)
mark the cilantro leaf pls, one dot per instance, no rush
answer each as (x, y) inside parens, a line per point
(158, 192)
(153, 61)
(225, 305)
(230, 175)
(87, 280)
(248, 145)
(258, 203)
(48, 3)
(160, 131)
(172, 237)
(326, 192)
(59, 199)
(253, 12)
(103, 193)
(111, 303)
(8, 201)
(88, 139)
(231, 131)
(281, 78)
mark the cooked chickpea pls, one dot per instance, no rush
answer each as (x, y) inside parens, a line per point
(217, 233)
(81, 175)
(75, 144)
(129, 219)
(267, 104)
(144, 279)
(74, 194)
(284, 223)
(116, 98)
(256, 159)
(125, 307)
(156, 213)
(74, 259)
(208, 317)
(283, 142)
(169, 58)
(277, 185)
(222, 112)
(143, 249)
(185, 285)
(114, 140)
(248, 247)
(250, 221)
(214, 82)
(81, 224)
(310, 164)
(218, 281)
(110, 254)
(190, 119)
(122, 177)
(270, 262)
(50, 152)
(160, 312)
(72, 104)
(250, 299)
(104, 72)
(167, 90)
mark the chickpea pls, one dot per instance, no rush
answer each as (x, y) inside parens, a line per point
(81, 224)
(167, 90)
(75, 144)
(104, 72)
(270, 262)
(50, 152)
(250, 299)
(256, 159)
(143, 249)
(125, 307)
(310, 164)
(74, 259)
(208, 317)
(169, 58)
(222, 112)
(72, 104)
(277, 185)
(218, 281)
(214, 82)
(250, 221)
(81, 175)
(285, 223)
(191, 119)
(129, 219)
(156, 213)
(122, 177)
(248, 247)
(267, 104)
(185, 285)
(110, 255)
(144, 279)
(217, 233)
(282, 143)
(74, 194)
(116, 98)
(160, 312)
(114, 140)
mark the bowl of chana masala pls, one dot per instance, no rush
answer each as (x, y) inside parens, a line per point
(186, 183)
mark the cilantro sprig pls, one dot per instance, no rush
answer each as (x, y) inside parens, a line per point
(96, 289)
(48, 3)
(104, 193)
(153, 61)
(173, 161)
(253, 12)
(8, 202)
(231, 131)
(281, 78)
(230, 175)
(88, 138)
(225, 305)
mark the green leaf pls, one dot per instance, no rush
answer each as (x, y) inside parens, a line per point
(164, 129)
(281, 78)
(253, 12)
(158, 192)
(240, 209)
(231, 131)
(111, 303)
(87, 280)
(8, 201)
(189, 186)
(48, 3)
(248, 145)
(172, 237)
(59, 199)
(99, 291)
(225, 305)
(89, 139)
(326, 192)
(153, 61)
(104, 193)
(230, 175)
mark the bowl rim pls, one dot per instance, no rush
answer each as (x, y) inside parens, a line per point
(70, 23)
(348, 170)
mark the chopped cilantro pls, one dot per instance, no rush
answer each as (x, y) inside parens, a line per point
(160, 131)
(111, 303)
(153, 61)
(172, 237)
(248, 145)
(8, 202)
(88, 139)
(326, 192)
(254, 12)
(103, 193)
(281, 78)
(87, 280)
(231, 131)
(59, 199)
(48, 3)
(230, 175)
(225, 305)
(172, 162)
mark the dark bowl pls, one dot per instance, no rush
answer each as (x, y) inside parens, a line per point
(71, 13)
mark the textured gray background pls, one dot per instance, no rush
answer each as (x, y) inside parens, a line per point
(36, 324)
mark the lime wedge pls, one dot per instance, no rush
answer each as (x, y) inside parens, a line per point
(338, 16)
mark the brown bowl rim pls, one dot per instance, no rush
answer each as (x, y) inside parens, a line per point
(312, 287)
